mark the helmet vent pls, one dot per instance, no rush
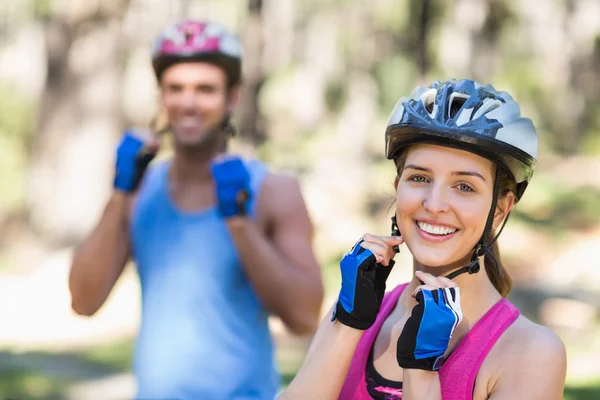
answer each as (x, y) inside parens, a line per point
(456, 102)
(488, 106)
(428, 99)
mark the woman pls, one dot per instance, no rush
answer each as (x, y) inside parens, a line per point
(464, 157)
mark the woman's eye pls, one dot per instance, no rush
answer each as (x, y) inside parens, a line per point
(418, 178)
(465, 188)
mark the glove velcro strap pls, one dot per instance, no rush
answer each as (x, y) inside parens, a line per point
(428, 364)
(347, 319)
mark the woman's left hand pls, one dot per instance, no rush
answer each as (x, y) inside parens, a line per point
(427, 332)
(430, 282)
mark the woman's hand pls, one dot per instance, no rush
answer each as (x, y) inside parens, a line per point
(427, 332)
(364, 270)
(430, 282)
(381, 246)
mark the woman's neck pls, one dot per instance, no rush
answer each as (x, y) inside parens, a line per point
(477, 293)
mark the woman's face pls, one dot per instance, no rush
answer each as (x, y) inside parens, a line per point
(443, 199)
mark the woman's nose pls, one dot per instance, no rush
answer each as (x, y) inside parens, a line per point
(435, 200)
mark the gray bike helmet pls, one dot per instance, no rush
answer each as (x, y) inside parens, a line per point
(469, 116)
(466, 115)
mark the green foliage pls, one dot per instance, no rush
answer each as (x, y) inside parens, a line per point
(17, 112)
(16, 122)
(16, 13)
(27, 384)
(551, 206)
(586, 391)
(590, 145)
(32, 383)
(289, 362)
(335, 96)
(391, 15)
(396, 76)
(42, 8)
(116, 356)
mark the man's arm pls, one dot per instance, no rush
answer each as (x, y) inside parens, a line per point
(100, 259)
(282, 266)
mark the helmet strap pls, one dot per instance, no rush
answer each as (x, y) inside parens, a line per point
(228, 130)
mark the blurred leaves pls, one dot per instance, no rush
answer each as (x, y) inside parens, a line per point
(556, 207)
(394, 74)
(16, 118)
(116, 355)
(16, 124)
(27, 384)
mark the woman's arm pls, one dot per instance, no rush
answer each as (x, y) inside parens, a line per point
(364, 270)
(327, 362)
(428, 330)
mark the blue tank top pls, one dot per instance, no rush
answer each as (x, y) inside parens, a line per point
(204, 334)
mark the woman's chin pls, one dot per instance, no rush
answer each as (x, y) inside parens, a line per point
(433, 263)
(441, 261)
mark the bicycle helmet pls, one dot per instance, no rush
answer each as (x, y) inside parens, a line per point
(198, 41)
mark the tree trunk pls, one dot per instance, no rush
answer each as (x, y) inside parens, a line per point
(251, 125)
(423, 37)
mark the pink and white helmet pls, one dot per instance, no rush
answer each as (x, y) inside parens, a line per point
(198, 41)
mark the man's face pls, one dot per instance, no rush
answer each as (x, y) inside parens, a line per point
(196, 99)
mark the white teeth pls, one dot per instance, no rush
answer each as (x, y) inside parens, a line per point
(435, 229)
(189, 121)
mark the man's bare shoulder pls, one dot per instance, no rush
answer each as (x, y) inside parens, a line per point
(280, 191)
(281, 202)
(280, 180)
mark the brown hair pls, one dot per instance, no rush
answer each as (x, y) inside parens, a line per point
(495, 270)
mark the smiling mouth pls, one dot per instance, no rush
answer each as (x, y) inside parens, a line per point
(189, 123)
(436, 230)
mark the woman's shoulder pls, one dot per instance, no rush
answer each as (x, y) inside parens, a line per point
(525, 339)
(520, 351)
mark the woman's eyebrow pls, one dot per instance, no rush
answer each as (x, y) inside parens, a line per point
(460, 173)
(469, 173)
(412, 166)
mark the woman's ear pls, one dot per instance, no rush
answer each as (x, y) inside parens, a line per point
(396, 182)
(505, 204)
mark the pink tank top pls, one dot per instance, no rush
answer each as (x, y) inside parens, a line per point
(457, 375)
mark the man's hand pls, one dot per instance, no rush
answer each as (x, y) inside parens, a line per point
(426, 335)
(133, 156)
(232, 182)
(365, 269)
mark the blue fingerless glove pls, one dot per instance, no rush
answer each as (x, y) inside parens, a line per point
(363, 287)
(426, 335)
(232, 182)
(131, 164)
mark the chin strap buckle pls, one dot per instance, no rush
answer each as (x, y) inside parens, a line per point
(473, 267)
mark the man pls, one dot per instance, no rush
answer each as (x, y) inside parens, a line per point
(219, 242)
